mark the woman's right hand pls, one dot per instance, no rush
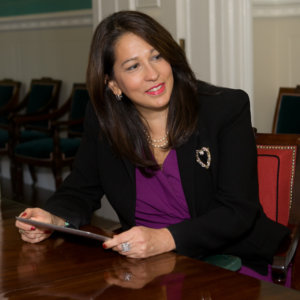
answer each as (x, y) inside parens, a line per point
(32, 234)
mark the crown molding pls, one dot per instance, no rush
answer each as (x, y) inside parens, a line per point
(276, 8)
(48, 20)
(147, 3)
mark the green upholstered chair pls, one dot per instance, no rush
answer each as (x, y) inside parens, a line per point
(58, 150)
(286, 118)
(41, 97)
(9, 97)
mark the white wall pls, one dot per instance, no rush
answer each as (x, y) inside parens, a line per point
(276, 39)
(57, 45)
(58, 53)
(276, 64)
(54, 45)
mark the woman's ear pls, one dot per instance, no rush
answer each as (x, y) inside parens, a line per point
(112, 84)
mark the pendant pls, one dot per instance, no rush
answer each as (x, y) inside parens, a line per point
(203, 157)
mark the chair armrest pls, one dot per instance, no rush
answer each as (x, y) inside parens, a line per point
(37, 116)
(57, 127)
(6, 109)
(65, 125)
(4, 126)
(23, 119)
(26, 121)
(41, 129)
(284, 256)
(20, 106)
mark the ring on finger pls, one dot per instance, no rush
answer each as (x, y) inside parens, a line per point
(125, 247)
(127, 276)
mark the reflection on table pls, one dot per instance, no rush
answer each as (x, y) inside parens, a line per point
(69, 267)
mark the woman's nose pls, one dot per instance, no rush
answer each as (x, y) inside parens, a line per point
(151, 73)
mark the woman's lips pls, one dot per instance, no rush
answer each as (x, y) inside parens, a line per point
(156, 90)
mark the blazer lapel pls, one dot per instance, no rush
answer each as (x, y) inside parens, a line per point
(190, 172)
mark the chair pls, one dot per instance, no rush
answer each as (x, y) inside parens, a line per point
(42, 97)
(278, 171)
(9, 97)
(56, 151)
(286, 118)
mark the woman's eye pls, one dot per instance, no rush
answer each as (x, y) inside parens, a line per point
(157, 57)
(133, 67)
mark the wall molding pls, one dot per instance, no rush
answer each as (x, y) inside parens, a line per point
(50, 20)
(147, 3)
(276, 8)
(230, 30)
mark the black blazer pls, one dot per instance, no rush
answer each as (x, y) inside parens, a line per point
(226, 216)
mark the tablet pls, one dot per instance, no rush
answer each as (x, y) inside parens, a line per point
(83, 233)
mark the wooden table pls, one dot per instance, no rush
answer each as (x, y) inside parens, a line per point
(68, 267)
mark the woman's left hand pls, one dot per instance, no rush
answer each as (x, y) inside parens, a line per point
(141, 242)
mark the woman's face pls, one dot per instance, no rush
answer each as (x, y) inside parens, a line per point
(141, 74)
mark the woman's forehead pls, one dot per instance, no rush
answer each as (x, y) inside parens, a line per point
(131, 46)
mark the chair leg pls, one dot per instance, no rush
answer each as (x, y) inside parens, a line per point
(32, 174)
(16, 175)
(13, 176)
(19, 184)
(57, 173)
(279, 276)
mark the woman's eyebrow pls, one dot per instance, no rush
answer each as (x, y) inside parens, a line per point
(129, 60)
(135, 57)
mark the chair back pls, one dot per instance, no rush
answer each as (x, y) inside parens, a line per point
(278, 171)
(59, 149)
(9, 97)
(286, 118)
(42, 97)
(79, 100)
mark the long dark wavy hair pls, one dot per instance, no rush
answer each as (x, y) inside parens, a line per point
(120, 121)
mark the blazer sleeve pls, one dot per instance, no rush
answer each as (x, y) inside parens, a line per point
(233, 207)
(81, 192)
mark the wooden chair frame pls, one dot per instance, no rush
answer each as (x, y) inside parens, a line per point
(57, 161)
(284, 256)
(51, 104)
(10, 106)
(17, 119)
(12, 103)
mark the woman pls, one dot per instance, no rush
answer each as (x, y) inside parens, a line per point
(175, 157)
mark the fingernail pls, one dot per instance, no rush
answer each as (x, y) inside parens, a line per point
(32, 228)
(104, 246)
(24, 214)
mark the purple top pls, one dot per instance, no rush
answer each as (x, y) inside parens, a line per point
(160, 200)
